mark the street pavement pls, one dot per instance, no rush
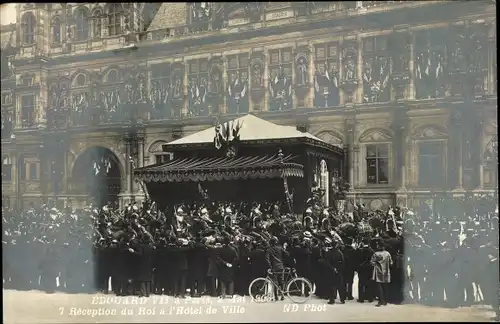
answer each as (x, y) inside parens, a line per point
(39, 307)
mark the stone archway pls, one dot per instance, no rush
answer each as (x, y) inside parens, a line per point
(98, 174)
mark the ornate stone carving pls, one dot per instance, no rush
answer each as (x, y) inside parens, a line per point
(375, 135)
(428, 132)
(215, 85)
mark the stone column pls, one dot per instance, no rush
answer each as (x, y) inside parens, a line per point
(224, 108)
(266, 80)
(350, 128)
(411, 68)
(458, 152)
(312, 69)
(359, 71)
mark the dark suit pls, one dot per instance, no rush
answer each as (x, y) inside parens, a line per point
(226, 260)
(349, 259)
(334, 260)
(365, 271)
(275, 256)
(145, 268)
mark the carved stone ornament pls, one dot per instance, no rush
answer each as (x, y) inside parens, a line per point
(257, 67)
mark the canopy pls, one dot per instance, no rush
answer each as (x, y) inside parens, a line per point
(253, 128)
(221, 168)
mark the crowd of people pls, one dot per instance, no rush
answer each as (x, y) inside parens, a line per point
(211, 248)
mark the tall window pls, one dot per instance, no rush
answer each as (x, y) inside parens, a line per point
(6, 169)
(82, 24)
(431, 164)
(56, 31)
(29, 24)
(114, 20)
(198, 87)
(97, 25)
(238, 83)
(377, 163)
(280, 66)
(30, 169)
(326, 82)
(28, 111)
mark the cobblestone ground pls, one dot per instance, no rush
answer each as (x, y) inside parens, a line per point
(39, 307)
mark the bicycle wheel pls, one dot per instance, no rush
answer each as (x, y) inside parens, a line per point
(261, 290)
(299, 290)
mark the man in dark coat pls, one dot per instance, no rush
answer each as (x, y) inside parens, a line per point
(365, 271)
(145, 265)
(349, 259)
(275, 256)
(180, 273)
(226, 260)
(198, 265)
(335, 262)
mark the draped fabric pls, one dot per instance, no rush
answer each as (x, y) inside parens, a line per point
(221, 168)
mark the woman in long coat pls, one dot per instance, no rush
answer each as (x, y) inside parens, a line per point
(382, 262)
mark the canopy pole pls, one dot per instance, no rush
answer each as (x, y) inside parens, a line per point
(285, 182)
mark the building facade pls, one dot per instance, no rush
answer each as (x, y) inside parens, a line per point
(407, 89)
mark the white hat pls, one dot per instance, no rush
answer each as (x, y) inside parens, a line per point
(135, 207)
(309, 210)
(105, 208)
(328, 240)
(325, 212)
(179, 210)
(410, 213)
(391, 212)
(228, 210)
(307, 234)
(204, 211)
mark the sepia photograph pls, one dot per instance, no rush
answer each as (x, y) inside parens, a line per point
(246, 162)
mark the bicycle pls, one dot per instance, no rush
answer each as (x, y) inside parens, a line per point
(262, 289)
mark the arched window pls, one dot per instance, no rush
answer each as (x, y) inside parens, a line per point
(97, 26)
(80, 80)
(114, 19)
(6, 169)
(56, 31)
(324, 179)
(112, 76)
(82, 24)
(29, 24)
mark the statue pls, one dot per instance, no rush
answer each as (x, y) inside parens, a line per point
(257, 76)
(177, 92)
(216, 81)
(302, 71)
(350, 68)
